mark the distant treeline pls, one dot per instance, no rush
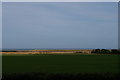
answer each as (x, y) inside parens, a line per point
(94, 51)
(9, 51)
(106, 51)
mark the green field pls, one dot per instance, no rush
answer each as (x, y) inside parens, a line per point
(60, 63)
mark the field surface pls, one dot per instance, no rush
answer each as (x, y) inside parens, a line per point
(60, 63)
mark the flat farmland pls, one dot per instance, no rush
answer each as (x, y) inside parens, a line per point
(61, 63)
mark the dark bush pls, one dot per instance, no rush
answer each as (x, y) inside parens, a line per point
(8, 51)
(78, 52)
(96, 51)
(114, 51)
(106, 51)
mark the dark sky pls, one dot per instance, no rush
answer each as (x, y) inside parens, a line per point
(60, 25)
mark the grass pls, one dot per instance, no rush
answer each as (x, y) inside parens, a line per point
(62, 76)
(60, 63)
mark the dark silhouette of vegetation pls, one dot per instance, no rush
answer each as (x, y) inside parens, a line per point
(9, 51)
(115, 51)
(106, 51)
(96, 51)
(61, 76)
(78, 52)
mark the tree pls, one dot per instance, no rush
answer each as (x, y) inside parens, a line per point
(96, 51)
(114, 51)
(104, 51)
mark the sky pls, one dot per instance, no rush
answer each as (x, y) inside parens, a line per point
(59, 25)
(60, 0)
(0, 25)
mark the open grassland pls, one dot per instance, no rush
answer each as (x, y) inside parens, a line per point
(61, 63)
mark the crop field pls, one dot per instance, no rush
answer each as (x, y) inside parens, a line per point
(61, 63)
